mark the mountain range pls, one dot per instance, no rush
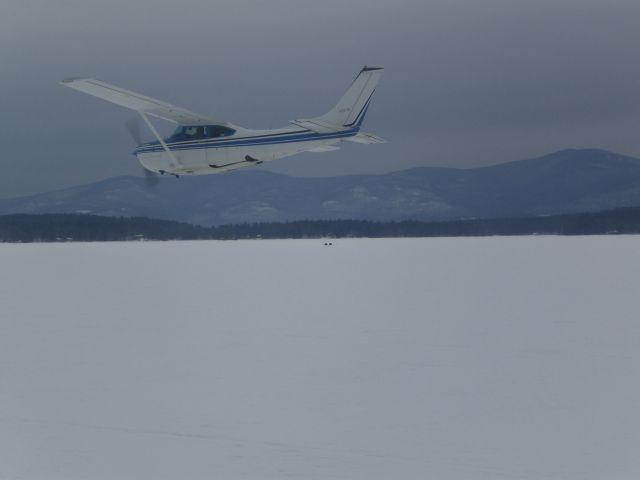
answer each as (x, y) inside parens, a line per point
(563, 182)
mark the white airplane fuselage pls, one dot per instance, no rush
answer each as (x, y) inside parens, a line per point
(240, 149)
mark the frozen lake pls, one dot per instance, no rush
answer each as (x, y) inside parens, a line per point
(469, 358)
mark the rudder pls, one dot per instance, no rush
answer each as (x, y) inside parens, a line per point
(352, 107)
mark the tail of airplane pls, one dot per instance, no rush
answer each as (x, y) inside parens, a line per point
(349, 113)
(352, 107)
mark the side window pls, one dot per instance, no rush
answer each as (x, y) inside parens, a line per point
(216, 131)
(194, 133)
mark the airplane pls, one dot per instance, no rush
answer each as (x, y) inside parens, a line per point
(202, 145)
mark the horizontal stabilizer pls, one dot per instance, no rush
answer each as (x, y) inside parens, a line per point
(326, 148)
(367, 138)
(138, 102)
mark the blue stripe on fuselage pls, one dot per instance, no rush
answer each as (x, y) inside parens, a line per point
(270, 139)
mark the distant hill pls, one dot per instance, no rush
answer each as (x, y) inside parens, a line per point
(562, 182)
(56, 227)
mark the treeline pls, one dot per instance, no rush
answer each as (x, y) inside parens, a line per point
(91, 228)
(63, 227)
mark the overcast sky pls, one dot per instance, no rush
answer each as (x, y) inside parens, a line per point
(467, 82)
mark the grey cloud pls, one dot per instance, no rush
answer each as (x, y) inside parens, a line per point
(467, 83)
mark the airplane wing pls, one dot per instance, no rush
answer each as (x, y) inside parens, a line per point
(138, 102)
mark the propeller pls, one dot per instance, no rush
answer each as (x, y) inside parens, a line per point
(133, 127)
(151, 178)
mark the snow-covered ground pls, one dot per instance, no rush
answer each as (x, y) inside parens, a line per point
(507, 358)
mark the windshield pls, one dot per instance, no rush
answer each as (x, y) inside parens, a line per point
(186, 133)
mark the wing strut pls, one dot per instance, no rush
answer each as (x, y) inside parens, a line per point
(155, 132)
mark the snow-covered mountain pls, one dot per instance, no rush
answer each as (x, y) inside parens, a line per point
(565, 181)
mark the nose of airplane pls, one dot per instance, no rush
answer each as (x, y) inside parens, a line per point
(145, 147)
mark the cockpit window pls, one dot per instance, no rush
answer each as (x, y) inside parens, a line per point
(185, 133)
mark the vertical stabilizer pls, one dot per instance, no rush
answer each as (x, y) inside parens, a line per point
(352, 107)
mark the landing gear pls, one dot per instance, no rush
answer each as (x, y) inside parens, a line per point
(248, 158)
(162, 172)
